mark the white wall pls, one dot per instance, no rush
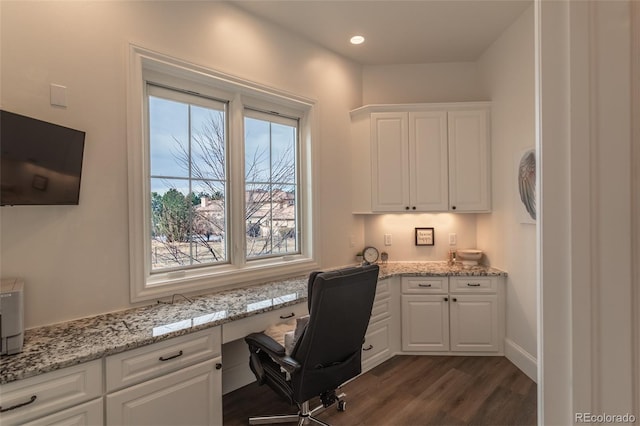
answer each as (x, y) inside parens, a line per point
(402, 229)
(437, 82)
(74, 259)
(507, 69)
(586, 256)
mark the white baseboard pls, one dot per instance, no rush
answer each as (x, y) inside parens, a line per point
(521, 359)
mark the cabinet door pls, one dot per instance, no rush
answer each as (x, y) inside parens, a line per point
(190, 396)
(474, 323)
(469, 171)
(389, 162)
(425, 323)
(428, 168)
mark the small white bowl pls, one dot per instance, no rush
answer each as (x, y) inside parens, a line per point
(470, 257)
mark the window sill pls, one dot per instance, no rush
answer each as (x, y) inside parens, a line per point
(223, 278)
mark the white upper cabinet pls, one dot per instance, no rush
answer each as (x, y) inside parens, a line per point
(428, 161)
(421, 158)
(390, 165)
(469, 172)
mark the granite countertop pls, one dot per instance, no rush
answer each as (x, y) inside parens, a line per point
(65, 344)
(442, 269)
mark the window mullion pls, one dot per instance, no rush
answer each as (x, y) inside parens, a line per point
(270, 186)
(236, 170)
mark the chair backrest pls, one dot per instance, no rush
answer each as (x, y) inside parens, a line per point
(330, 349)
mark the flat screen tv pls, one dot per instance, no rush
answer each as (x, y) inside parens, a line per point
(40, 162)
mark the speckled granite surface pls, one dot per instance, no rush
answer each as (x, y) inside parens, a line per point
(65, 344)
(436, 269)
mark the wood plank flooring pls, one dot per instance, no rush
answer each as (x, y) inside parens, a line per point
(414, 390)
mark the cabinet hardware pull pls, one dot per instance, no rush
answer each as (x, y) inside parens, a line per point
(414, 207)
(424, 285)
(13, 407)
(406, 208)
(170, 357)
(446, 299)
(291, 315)
(453, 207)
(368, 348)
(218, 366)
(454, 299)
(473, 284)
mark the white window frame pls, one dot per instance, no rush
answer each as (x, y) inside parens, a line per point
(145, 65)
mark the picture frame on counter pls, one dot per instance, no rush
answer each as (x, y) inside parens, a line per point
(425, 237)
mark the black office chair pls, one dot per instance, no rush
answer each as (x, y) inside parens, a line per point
(329, 351)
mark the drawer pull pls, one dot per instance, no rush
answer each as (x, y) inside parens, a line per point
(424, 285)
(291, 315)
(30, 401)
(218, 365)
(170, 357)
(473, 284)
(368, 348)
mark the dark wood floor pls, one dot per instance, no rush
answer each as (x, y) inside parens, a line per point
(414, 390)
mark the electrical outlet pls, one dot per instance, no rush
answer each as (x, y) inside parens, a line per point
(387, 239)
(453, 239)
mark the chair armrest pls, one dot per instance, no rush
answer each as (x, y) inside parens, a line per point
(266, 343)
(273, 349)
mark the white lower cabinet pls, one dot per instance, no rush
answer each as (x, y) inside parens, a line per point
(189, 396)
(376, 347)
(57, 397)
(425, 322)
(463, 315)
(177, 381)
(474, 323)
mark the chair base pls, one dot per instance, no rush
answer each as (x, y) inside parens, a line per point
(304, 416)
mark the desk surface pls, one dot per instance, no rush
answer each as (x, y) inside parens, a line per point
(65, 344)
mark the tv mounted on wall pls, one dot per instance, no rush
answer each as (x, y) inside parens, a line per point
(41, 163)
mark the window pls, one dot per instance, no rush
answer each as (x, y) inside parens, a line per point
(220, 179)
(270, 185)
(188, 148)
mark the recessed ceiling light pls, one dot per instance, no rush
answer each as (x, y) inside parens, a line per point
(358, 39)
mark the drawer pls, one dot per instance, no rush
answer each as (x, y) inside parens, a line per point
(50, 392)
(383, 290)
(137, 365)
(425, 285)
(381, 310)
(89, 413)
(376, 340)
(235, 330)
(473, 284)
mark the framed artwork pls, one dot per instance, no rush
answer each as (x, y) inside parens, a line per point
(525, 166)
(425, 237)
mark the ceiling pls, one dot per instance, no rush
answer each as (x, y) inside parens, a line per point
(396, 31)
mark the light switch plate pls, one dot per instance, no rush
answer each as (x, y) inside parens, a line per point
(58, 95)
